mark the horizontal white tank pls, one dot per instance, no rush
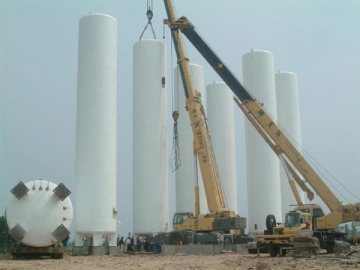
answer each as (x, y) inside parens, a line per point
(95, 183)
(288, 115)
(150, 145)
(185, 175)
(220, 114)
(262, 165)
(40, 213)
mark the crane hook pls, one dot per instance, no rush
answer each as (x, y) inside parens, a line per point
(149, 14)
(175, 116)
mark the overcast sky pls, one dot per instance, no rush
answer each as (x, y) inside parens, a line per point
(316, 39)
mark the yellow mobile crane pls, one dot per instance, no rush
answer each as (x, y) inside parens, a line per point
(195, 227)
(275, 237)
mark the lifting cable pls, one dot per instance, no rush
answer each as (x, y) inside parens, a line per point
(149, 15)
(163, 62)
(175, 161)
(316, 165)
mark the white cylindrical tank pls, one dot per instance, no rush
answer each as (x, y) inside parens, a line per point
(220, 114)
(288, 116)
(40, 213)
(150, 146)
(262, 165)
(185, 175)
(95, 183)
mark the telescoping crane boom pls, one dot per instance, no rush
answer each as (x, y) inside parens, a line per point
(296, 164)
(202, 143)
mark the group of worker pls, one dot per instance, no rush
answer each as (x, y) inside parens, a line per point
(128, 245)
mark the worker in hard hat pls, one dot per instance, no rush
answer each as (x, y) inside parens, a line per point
(307, 225)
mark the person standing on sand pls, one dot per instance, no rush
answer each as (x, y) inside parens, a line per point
(128, 245)
(138, 243)
(121, 243)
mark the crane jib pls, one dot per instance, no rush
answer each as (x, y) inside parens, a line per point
(217, 64)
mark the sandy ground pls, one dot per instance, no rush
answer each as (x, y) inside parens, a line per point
(155, 261)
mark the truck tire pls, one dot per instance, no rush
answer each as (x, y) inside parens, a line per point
(270, 222)
(176, 238)
(330, 249)
(58, 256)
(316, 250)
(283, 253)
(227, 241)
(337, 249)
(273, 251)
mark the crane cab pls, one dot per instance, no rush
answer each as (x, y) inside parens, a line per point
(181, 219)
(315, 212)
(294, 221)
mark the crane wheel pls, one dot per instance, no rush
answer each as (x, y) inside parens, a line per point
(317, 248)
(227, 241)
(273, 251)
(176, 238)
(270, 222)
(283, 253)
(337, 249)
(330, 249)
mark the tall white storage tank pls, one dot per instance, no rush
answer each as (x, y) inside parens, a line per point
(220, 114)
(185, 174)
(262, 165)
(150, 147)
(288, 115)
(95, 183)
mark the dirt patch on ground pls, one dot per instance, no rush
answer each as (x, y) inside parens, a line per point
(145, 261)
(5, 257)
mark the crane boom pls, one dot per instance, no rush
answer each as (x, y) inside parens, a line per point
(202, 141)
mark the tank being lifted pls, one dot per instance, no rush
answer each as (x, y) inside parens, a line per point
(39, 217)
